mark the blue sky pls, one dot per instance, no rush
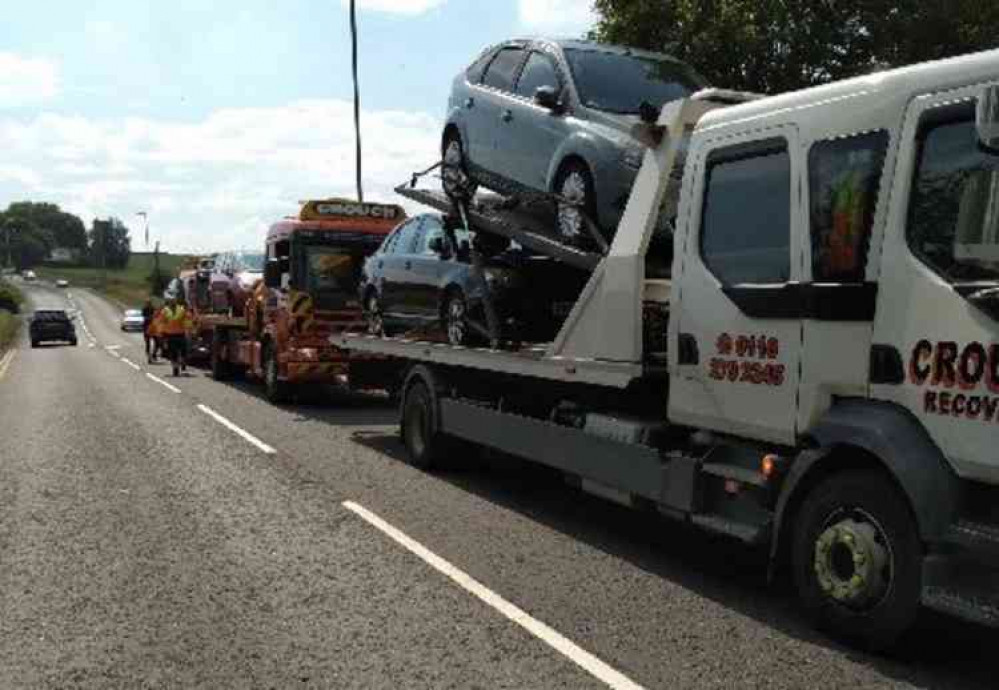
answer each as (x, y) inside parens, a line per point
(217, 117)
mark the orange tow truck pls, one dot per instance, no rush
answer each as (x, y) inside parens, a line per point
(309, 292)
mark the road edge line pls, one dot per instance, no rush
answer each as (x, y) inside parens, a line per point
(6, 361)
(569, 649)
(163, 383)
(246, 435)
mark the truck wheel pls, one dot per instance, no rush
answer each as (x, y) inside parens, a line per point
(423, 443)
(275, 389)
(857, 559)
(220, 367)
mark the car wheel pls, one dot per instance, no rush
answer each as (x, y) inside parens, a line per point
(455, 179)
(577, 198)
(373, 315)
(34, 343)
(857, 559)
(455, 319)
(73, 342)
(275, 389)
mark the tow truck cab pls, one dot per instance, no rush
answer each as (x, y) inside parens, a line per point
(311, 275)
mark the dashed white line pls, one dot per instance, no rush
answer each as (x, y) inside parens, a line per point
(235, 429)
(131, 364)
(582, 658)
(163, 383)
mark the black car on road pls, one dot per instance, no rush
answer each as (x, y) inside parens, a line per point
(422, 277)
(51, 325)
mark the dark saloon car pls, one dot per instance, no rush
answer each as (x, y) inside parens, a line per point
(49, 325)
(422, 277)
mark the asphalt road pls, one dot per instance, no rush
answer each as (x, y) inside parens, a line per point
(146, 543)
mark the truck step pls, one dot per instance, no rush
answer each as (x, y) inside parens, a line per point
(750, 534)
(734, 472)
(968, 604)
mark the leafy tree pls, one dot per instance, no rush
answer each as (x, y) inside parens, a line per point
(773, 46)
(109, 243)
(64, 229)
(25, 242)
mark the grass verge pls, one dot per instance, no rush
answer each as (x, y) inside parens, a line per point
(10, 323)
(129, 286)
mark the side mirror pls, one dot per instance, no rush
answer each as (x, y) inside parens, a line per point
(437, 246)
(272, 274)
(547, 97)
(987, 118)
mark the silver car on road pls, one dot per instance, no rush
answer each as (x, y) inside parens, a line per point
(557, 116)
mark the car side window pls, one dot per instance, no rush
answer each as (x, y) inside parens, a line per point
(432, 229)
(478, 68)
(405, 237)
(746, 223)
(503, 69)
(538, 71)
(844, 177)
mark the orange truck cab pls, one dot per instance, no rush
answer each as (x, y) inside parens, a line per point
(309, 293)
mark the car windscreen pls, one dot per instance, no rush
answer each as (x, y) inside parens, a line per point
(954, 209)
(331, 273)
(619, 83)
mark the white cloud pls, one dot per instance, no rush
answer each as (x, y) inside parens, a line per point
(26, 81)
(571, 17)
(406, 7)
(212, 184)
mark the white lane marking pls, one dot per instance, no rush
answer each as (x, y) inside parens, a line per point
(111, 348)
(6, 361)
(163, 383)
(232, 427)
(582, 658)
(130, 363)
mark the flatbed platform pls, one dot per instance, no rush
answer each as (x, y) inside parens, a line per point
(532, 362)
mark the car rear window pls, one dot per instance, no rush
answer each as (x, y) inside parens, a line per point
(51, 316)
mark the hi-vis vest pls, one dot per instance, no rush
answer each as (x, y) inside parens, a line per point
(175, 321)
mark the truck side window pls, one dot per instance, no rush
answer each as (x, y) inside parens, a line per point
(746, 227)
(844, 177)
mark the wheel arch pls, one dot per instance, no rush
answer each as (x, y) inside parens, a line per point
(860, 434)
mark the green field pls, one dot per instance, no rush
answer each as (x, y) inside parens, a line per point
(130, 286)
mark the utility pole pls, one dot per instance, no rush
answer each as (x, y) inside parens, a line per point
(357, 99)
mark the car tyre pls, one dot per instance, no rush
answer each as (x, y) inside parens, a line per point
(73, 342)
(34, 343)
(454, 318)
(857, 559)
(455, 178)
(373, 316)
(574, 184)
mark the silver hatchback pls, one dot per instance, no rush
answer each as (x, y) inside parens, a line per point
(557, 116)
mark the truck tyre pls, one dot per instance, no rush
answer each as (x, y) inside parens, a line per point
(221, 369)
(857, 559)
(424, 443)
(275, 389)
(455, 179)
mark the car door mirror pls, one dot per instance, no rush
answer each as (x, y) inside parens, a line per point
(437, 246)
(547, 97)
(272, 274)
(987, 118)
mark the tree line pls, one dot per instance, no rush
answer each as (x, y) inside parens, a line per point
(772, 46)
(30, 231)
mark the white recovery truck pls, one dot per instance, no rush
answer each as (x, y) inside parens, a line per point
(825, 382)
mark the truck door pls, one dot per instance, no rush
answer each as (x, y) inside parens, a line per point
(737, 319)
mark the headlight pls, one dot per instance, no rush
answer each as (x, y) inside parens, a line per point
(633, 158)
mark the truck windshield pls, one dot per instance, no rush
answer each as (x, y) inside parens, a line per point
(251, 262)
(619, 83)
(954, 211)
(332, 273)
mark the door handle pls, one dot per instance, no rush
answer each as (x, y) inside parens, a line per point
(409, 265)
(380, 264)
(507, 116)
(470, 103)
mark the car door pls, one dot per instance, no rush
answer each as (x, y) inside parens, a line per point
(493, 101)
(531, 134)
(427, 270)
(737, 325)
(391, 266)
